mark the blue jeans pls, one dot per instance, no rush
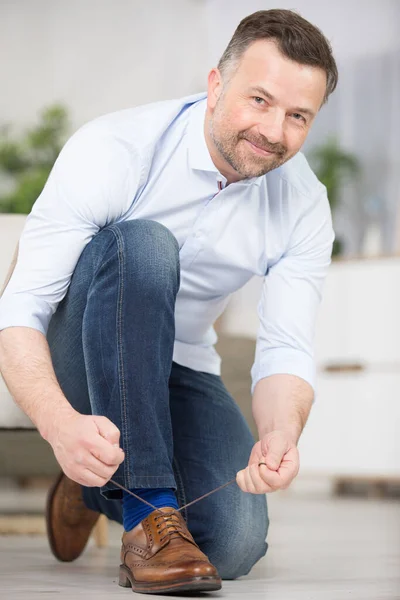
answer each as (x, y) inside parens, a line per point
(111, 341)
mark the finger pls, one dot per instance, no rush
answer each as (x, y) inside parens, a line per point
(90, 479)
(249, 482)
(240, 480)
(259, 484)
(271, 478)
(90, 462)
(104, 451)
(107, 430)
(290, 466)
(110, 457)
(264, 487)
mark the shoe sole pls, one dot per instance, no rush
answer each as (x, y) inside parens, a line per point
(193, 584)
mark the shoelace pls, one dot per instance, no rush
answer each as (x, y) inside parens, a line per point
(170, 521)
(179, 509)
(182, 507)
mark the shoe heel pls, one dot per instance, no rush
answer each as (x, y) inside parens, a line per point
(124, 580)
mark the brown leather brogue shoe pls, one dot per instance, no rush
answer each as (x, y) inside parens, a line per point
(160, 556)
(69, 523)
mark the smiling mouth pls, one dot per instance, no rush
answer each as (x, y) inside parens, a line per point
(260, 150)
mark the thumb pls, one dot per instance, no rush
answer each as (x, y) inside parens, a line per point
(107, 430)
(273, 451)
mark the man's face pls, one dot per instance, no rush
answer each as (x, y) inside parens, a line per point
(261, 116)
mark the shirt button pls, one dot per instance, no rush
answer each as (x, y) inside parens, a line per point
(197, 234)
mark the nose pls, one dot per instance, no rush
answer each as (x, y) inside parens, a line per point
(271, 126)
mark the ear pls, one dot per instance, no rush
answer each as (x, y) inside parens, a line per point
(214, 87)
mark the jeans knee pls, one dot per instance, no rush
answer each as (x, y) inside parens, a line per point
(242, 543)
(148, 253)
(242, 556)
(148, 233)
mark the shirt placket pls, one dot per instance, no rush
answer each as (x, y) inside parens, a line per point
(200, 231)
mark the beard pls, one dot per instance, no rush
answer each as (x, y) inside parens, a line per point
(232, 147)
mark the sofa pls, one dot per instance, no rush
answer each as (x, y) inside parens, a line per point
(11, 416)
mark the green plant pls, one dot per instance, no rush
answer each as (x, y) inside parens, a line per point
(26, 162)
(333, 167)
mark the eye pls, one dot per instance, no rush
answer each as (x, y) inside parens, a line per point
(299, 117)
(258, 100)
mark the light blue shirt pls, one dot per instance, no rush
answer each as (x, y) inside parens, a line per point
(152, 162)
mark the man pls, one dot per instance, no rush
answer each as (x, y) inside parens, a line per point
(150, 219)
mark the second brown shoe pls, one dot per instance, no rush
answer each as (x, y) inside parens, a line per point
(69, 523)
(160, 556)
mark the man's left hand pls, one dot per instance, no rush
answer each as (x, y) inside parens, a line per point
(281, 457)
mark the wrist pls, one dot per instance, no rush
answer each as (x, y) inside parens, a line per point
(292, 435)
(50, 421)
(282, 403)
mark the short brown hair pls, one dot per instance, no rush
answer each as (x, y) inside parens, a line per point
(295, 37)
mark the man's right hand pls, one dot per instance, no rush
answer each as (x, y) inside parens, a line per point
(86, 448)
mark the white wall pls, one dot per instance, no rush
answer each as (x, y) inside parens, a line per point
(97, 56)
(355, 28)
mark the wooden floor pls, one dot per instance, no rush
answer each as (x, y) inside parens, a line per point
(320, 549)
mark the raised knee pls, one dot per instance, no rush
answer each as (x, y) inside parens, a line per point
(148, 253)
(151, 236)
(241, 557)
(241, 543)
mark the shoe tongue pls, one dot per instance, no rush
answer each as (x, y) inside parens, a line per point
(169, 514)
(172, 526)
(166, 509)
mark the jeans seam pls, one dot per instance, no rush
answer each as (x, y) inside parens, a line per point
(102, 362)
(180, 489)
(96, 266)
(121, 370)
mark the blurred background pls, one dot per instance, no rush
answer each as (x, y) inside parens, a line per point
(65, 63)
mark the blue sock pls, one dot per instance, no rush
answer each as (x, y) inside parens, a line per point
(134, 510)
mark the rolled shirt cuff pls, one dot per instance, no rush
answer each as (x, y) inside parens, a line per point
(284, 361)
(25, 310)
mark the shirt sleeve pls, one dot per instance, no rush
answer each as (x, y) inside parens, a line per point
(93, 182)
(290, 298)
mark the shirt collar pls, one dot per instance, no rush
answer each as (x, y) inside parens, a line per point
(198, 154)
